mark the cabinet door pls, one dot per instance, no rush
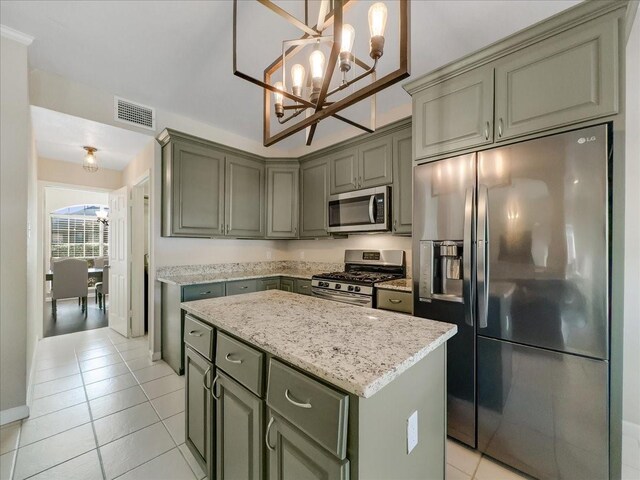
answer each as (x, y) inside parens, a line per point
(196, 176)
(199, 433)
(239, 424)
(286, 284)
(375, 166)
(269, 284)
(402, 183)
(302, 286)
(314, 183)
(293, 455)
(282, 201)
(568, 78)
(344, 171)
(454, 114)
(245, 199)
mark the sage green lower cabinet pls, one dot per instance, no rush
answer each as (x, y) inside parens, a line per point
(302, 286)
(294, 456)
(287, 284)
(402, 190)
(282, 201)
(269, 284)
(562, 80)
(240, 427)
(242, 286)
(199, 410)
(245, 199)
(314, 197)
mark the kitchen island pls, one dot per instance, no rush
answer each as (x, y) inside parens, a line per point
(287, 386)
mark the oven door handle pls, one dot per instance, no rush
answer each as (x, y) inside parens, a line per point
(372, 204)
(344, 297)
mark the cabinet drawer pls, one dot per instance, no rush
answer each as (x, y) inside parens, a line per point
(243, 363)
(395, 301)
(242, 286)
(199, 336)
(302, 286)
(198, 292)
(317, 410)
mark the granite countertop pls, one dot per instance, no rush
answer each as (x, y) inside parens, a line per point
(214, 277)
(402, 284)
(357, 349)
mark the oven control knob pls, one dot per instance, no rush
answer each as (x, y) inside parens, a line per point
(357, 289)
(350, 288)
(324, 284)
(338, 286)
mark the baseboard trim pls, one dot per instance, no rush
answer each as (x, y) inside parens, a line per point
(155, 356)
(630, 429)
(11, 415)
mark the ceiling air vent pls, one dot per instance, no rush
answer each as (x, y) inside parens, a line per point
(134, 113)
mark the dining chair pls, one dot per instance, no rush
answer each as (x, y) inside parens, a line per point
(102, 288)
(70, 279)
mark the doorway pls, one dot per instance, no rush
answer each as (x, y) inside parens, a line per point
(140, 248)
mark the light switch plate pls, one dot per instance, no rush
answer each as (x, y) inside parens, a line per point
(412, 431)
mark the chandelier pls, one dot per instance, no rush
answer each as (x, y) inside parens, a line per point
(314, 93)
(90, 163)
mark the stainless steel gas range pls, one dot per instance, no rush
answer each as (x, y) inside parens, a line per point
(363, 269)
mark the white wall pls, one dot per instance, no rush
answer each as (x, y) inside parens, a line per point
(631, 382)
(56, 171)
(14, 162)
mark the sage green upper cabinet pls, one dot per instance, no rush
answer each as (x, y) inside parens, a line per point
(239, 452)
(562, 80)
(282, 201)
(314, 195)
(344, 170)
(245, 199)
(402, 202)
(193, 190)
(454, 114)
(375, 164)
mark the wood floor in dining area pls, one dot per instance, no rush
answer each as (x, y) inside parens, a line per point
(71, 319)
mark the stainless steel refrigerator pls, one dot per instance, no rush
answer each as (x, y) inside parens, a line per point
(512, 245)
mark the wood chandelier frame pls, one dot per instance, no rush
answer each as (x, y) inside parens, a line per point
(322, 109)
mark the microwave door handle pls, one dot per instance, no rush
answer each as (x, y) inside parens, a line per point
(372, 203)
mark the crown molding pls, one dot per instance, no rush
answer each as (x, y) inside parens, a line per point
(15, 35)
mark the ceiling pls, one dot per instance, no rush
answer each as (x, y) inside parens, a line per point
(177, 55)
(61, 137)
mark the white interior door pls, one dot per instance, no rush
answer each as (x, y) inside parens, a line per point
(119, 261)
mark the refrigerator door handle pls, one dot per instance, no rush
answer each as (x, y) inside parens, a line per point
(483, 256)
(468, 292)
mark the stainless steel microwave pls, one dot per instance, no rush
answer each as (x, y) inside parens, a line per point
(360, 211)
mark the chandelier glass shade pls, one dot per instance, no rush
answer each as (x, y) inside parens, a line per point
(312, 88)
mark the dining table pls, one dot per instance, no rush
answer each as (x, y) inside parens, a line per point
(93, 273)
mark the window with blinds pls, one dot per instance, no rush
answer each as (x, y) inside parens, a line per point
(75, 236)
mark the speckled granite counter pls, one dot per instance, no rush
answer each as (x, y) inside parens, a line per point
(401, 284)
(198, 274)
(357, 349)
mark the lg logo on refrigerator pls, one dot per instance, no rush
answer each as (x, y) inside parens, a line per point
(582, 140)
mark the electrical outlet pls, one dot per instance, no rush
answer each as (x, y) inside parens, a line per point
(412, 431)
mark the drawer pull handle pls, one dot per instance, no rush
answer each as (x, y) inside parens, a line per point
(195, 333)
(293, 402)
(395, 300)
(266, 436)
(205, 293)
(204, 380)
(229, 359)
(213, 387)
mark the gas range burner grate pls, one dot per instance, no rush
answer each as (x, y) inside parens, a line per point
(357, 277)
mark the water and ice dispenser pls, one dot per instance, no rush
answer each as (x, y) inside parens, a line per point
(441, 270)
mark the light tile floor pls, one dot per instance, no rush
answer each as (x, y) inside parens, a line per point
(100, 410)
